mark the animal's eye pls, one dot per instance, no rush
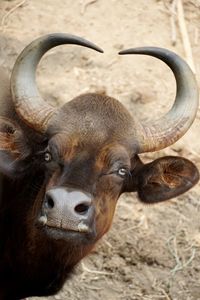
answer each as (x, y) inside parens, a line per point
(47, 156)
(122, 172)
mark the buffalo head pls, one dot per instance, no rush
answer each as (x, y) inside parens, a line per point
(88, 149)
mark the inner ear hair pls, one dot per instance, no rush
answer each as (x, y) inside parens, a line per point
(166, 178)
(12, 138)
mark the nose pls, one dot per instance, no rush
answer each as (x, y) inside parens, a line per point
(68, 209)
(75, 202)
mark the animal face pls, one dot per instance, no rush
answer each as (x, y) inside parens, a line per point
(83, 186)
(86, 165)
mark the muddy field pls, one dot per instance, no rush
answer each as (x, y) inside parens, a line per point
(151, 252)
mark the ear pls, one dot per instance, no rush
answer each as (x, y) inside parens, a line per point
(166, 178)
(13, 148)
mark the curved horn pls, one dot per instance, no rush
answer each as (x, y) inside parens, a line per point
(29, 105)
(159, 134)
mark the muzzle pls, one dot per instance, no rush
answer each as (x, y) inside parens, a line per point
(68, 209)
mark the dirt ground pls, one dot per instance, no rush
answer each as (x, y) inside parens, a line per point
(151, 252)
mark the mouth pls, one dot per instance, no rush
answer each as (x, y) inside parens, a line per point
(81, 227)
(71, 236)
(81, 234)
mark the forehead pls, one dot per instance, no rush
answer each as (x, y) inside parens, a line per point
(92, 116)
(75, 147)
(92, 124)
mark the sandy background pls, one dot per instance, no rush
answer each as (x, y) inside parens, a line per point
(151, 252)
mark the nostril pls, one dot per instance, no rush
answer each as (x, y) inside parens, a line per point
(49, 203)
(82, 208)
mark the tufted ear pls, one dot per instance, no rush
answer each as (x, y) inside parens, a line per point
(164, 178)
(13, 148)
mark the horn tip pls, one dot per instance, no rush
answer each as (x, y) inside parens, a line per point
(99, 50)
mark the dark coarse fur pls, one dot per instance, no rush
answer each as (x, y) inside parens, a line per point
(30, 262)
(27, 265)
